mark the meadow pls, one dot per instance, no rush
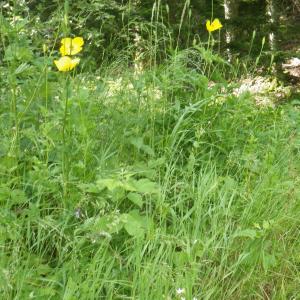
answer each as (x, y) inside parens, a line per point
(142, 178)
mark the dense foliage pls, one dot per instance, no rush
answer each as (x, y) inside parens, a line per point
(144, 172)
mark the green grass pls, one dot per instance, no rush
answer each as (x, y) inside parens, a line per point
(144, 184)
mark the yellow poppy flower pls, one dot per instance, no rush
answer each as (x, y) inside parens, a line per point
(71, 46)
(215, 25)
(66, 63)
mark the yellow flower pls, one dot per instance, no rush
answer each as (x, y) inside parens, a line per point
(66, 63)
(215, 25)
(71, 46)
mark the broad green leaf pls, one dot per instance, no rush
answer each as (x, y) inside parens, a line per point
(138, 142)
(181, 258)
(90, 188)
(129, 185)
(134, 223)
(146, 186)
(157, 162)
(147, 149)
(136, 199)
(109, 223)
(117, 194)
(110, 184)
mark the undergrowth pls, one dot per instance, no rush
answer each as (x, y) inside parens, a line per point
(157, 185)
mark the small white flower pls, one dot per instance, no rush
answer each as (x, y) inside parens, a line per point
(180, 291)
(105, 234)
(77, 213)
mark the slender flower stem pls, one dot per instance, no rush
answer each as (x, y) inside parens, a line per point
(219, 44)
(65, 171)
(207, 64)
(16, 121)
(46, 99)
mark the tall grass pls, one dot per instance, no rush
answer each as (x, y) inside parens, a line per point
(176, 188)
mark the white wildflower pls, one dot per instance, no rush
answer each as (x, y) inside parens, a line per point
(180, 291)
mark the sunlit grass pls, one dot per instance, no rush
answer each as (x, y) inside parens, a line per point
(177, 186)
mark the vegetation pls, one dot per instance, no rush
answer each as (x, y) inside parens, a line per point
(139, 171)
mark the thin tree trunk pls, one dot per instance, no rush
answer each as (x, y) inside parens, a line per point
(272, 19)
(230, 11)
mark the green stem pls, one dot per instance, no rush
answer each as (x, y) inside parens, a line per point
(65, 171)
(46, 101)
(219, 45)
(16, 122)
(208, 48)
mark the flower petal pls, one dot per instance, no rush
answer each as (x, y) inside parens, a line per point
(65, 46)
(215, 25)
(78, 41)
(74, 63)
(71, 46)
(66, 63)
(75, 49)
(208, 26)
